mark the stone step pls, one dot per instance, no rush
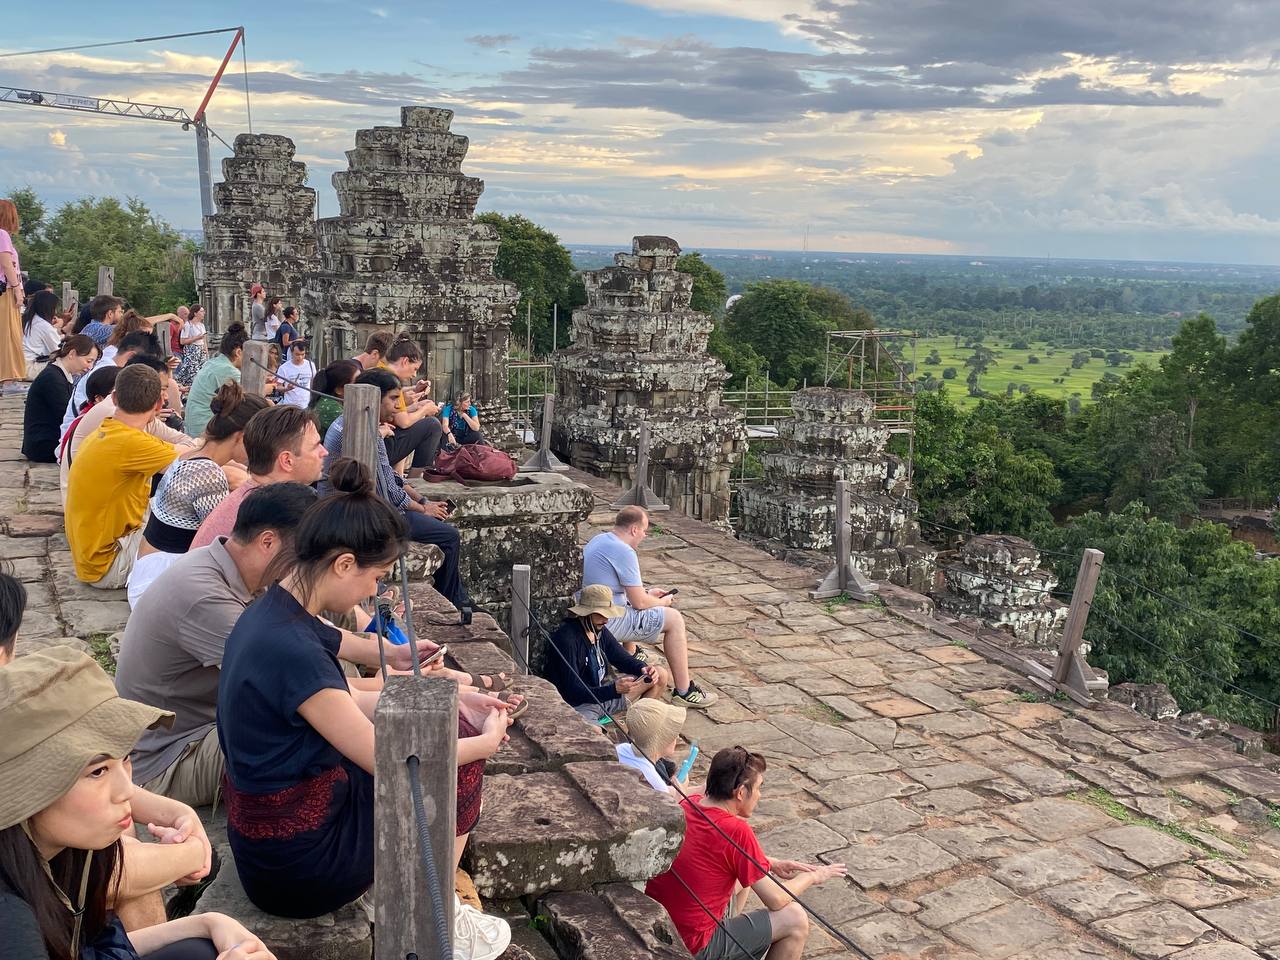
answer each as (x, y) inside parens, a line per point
(611, 922)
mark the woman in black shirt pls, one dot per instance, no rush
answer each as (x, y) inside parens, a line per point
(49, 394)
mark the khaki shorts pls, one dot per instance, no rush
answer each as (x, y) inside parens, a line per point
(196, 776)
(750, 932)
(126, 555)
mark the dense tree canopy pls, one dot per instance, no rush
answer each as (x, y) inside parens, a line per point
(153, 263)
(786, 323)
(535, 260)
(709, 288)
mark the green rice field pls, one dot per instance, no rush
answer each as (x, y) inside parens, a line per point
(1039, 376)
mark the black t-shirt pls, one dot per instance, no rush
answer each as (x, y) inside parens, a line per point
(42, 419)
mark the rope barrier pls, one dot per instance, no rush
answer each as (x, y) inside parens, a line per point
(837, 934)
(443, 932)
(1190, 609)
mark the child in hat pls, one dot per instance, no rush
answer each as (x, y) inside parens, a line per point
(65, 788)
(653, 729)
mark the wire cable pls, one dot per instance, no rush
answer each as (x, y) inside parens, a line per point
(428, 860)
(118, 43)
(244, 59)
(1190, 609)
(1185, 661)
(841, 937)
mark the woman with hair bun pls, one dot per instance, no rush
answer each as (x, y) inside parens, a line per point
(193, 485)
(298, 735)
(223, 368)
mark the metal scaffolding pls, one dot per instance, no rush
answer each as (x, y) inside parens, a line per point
(874, 362)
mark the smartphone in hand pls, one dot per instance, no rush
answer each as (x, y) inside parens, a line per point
(439, 654)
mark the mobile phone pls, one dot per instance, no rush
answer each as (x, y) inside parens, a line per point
(436, 656)
(672, 592)
(450, 505)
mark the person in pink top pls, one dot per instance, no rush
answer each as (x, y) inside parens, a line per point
(13, 364)
(281, 444)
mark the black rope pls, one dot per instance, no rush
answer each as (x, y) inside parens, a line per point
(1190, 609)
(118, 43)
(1183, 660)
(293, 383)
(841, 937)
(443, 932)
(971, 533)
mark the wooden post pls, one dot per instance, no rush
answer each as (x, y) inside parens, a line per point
(415, 717)
(66, 295)
(640, 495)
(844, 578)
(1078, 614)
(360, 405)
(254, 369)
(520, 615)
(544, 460)
(106, 280)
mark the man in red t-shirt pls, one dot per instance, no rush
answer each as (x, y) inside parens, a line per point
(713, 869)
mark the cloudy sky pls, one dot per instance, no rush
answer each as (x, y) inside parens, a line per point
(1143, 129)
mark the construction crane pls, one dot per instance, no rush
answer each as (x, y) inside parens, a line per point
(112, 107)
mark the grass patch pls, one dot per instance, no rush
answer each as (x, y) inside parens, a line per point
(836, 602)
(1038, 376)
(960, 642)
(824, 714)
(1030, 698)
(1274, 817)
(100, 650)
(1108, 804)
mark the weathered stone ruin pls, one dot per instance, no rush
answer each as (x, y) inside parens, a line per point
(834, 436)
(404, 255)
(531, 519)
(998, 578)
(264, 231)
(639, 351)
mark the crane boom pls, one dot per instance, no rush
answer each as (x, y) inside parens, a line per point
(115, 108)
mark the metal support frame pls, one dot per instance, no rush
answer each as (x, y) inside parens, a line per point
(520, 574)
(844, 579)
(544, 461)
(640, 494)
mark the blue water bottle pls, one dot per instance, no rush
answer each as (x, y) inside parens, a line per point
(683, 773)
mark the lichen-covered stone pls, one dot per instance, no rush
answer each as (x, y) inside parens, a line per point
(834, 435)
(640, 351)
(344, 934)
(404, 254)
(263, 232)
(614, 922)
(998, 578)
(531, 519)
(584, 824)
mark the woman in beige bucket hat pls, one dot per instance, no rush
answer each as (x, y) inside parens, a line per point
(65, 788)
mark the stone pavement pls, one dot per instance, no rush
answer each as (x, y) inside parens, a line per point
(976, 820)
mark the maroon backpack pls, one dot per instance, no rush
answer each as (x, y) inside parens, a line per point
(474, 464)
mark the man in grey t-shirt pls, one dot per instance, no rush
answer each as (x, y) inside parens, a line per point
(258, 313)
(651, 617)
(171, 653)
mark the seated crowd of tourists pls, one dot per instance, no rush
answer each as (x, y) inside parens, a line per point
(253, 556)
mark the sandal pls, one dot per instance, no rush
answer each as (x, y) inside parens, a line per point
(517, 709)
(491, 684)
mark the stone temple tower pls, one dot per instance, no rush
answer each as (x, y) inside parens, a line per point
(640, 351)
(264, 231)
(403, 255)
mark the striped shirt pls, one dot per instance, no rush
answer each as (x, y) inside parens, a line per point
(390, 484)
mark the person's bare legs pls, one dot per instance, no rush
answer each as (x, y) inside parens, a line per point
(790, 931)
(675, 647)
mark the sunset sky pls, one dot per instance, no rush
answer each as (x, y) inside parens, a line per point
(1097, 128)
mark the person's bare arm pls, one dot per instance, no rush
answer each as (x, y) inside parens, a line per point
(150, 867)
(11, 277)
(775, 898)
(336, 716)
(641, 599)
(472, 422)
(172, 822)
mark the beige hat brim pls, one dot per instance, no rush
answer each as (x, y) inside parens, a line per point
(611, 612)
(33, 781)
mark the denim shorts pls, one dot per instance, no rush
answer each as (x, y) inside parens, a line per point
(638, 626)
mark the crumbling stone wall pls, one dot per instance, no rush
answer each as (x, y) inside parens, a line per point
(998, 578)
(832, 436)
(639, 350)
(264, 231)
(403, 254)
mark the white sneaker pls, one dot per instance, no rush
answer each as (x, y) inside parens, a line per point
(476, 935)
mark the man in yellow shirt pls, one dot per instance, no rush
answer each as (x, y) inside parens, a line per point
(110, 482)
